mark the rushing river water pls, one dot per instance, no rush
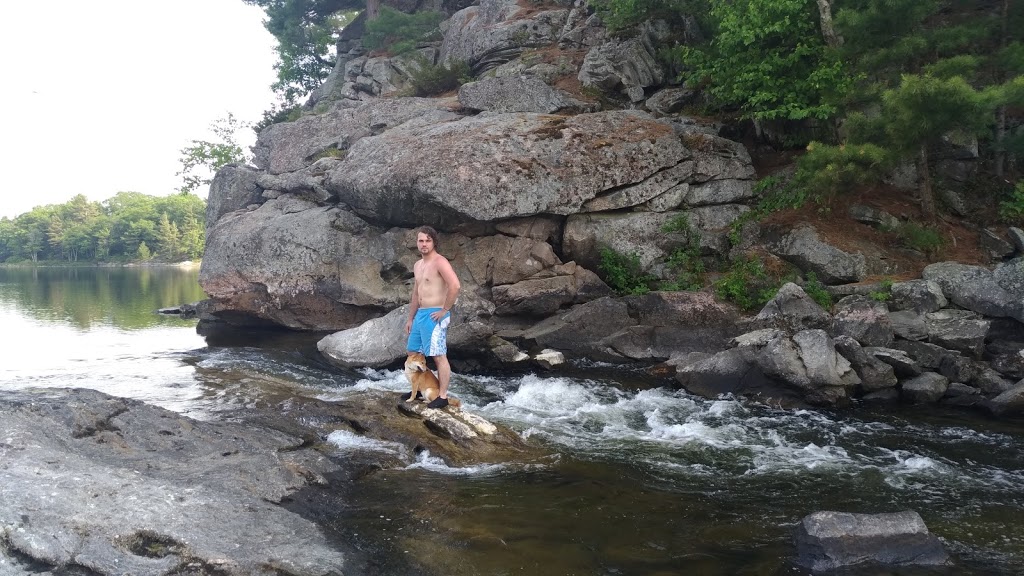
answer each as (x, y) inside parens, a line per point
(645, 480)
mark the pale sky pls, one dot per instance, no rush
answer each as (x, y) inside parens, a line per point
(99, 96)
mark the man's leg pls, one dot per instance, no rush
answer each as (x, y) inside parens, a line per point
(444, 374)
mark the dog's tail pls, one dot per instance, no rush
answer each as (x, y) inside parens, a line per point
(453, 401)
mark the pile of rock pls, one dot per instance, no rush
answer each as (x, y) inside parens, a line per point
(956, 336)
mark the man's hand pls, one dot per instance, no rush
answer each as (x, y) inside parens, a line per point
(436, 315)
(408, 326)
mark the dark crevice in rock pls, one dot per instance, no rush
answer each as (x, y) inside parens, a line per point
(102, 425)
(149, 544)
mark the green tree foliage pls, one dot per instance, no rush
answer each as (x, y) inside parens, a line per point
(108, 231)
(306, 33)
(201, 159)
(398, 32)
(767, 59)
(621, 14)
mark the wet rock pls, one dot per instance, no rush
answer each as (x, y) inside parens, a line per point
(506, 352)
(113, 486)
(924, 389)
(1009, 402)
(457, 436)
(574, 330)
(549, 359)
(733, 371)
(886, 395)
(990, 382)
(833, 540)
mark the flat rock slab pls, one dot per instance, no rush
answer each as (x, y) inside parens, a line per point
(833, 540)
(101, 485)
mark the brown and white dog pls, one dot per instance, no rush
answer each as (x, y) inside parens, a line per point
(423, 380)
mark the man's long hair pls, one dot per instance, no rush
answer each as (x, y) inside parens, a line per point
(429, 231)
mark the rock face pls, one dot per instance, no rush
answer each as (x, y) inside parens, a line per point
(114, 486)
(542, 184)
(833, 540)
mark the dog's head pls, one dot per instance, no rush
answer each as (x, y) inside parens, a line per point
(416, 362)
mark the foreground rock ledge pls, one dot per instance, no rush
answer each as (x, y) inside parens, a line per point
(113, 486)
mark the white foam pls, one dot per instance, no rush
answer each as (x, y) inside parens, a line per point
(425, 461)
(349, 441)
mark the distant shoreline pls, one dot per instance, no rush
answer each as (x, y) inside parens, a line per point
(49, 264)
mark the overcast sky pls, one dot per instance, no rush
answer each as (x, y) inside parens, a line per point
(99, 96)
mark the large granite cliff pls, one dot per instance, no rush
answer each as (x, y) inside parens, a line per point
(568, 140)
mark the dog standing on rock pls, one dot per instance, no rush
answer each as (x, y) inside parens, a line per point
(424, 384)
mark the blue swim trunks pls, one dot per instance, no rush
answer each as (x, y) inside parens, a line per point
(427, 336)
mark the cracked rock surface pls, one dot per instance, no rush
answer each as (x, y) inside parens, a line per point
(92, 484)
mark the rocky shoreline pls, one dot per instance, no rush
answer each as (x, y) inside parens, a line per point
(93, 484)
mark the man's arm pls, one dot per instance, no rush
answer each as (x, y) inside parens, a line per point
(451, 282)
(414, 305)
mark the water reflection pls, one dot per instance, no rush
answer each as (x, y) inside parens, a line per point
(125, 298)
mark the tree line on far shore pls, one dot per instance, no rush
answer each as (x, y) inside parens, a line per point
(128, 227)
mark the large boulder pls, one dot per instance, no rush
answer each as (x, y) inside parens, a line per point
(305, 266)
(652, 326)
(492, 167)
(958, 330)
(496, 32)
(864, 319)
(548, 291)
(793, 309)
(828, 541)
(927, 388)
(917, 295)
(94, 484)
(807, 251)
(233, 188)
(1009, 402)
(874, 374)
(976, 288)
(515, 94)
(290, 146)
(628, 65)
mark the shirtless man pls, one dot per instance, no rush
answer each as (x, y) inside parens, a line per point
(433, 295)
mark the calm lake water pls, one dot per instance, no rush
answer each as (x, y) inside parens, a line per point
(646, 480)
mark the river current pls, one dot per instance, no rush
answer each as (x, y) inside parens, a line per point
(645, 479)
